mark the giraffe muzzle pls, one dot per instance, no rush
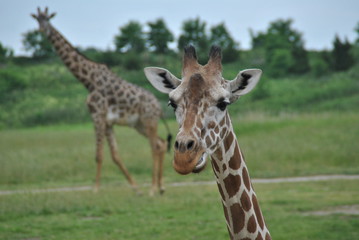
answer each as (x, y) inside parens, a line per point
(188, 162)
(189, 155)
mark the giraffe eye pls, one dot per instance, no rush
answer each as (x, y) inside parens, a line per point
(172, 104)
(222, 105)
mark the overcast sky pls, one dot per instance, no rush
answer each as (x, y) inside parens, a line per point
(90, 23)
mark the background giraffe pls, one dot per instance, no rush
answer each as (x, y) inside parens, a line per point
(111, 100)
(200, 99)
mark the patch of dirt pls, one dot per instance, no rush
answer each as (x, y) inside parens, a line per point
(346, 210)
(183, 184)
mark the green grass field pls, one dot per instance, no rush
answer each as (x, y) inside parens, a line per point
(191, 212)
(282, 145)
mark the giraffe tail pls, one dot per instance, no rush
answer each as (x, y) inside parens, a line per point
(169, 140)
(169, 135)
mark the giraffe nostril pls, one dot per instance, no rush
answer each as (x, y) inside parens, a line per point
(176, 145)
(190, 145)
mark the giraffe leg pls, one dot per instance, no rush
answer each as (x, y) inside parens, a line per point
(158, 147)
(162, 147)
(115, 157)
(154, 172)
(99, 131)
(149, 130)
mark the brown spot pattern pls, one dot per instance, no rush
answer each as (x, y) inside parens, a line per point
(235, 160)
(227, 120)
(216, 130)
(237, 217)
(223, 132)
(91, 108)
(232, 184)
(228, 141)
(252, 225)
(222, 121)
(257, 211)
(208, 141)
(246, 201)
(213, 136)
(246, 179)
(215, 166)
(112, 101)
(203, 133)
(224, 167)
(268, 237)
(218, 154)
(259, 236)
(211, 125)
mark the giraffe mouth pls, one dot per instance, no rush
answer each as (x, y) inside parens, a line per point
(201, 163)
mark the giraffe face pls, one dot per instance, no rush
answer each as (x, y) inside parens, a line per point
(200, 107)
(200, 101)
(43, 18)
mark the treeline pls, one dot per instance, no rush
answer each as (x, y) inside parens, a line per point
(279, 50)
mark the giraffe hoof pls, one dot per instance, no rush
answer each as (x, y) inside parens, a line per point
(162, 191)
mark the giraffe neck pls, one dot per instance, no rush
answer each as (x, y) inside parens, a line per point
(79, 65)
(241, 209)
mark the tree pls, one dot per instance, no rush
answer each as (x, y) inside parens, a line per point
(131, 38)
(341, 54)
(355, 50)
(221, 37)
(321, 63)
(37, 43)
(280, 36)
(194, 33)
(281, 62)
(258, 40)
(5, 53)
(159, 36)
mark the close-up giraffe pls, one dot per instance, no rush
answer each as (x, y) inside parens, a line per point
(200, 99)
(111, 101)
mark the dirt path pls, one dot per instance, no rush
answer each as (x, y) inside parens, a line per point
(181, 184)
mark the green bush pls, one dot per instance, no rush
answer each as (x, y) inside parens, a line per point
(132, 61)
(11, 79)
(320, 67)
(280, 64)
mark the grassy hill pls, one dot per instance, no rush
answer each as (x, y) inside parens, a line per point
(47, 93)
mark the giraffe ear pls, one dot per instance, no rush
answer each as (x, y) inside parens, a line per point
(245, 81)
(52, 15)
(162, 79)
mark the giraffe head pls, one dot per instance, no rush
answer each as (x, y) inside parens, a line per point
(200, 101)
(43, 18)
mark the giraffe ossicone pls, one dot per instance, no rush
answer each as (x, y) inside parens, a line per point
(200, 100)
(111, 101)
